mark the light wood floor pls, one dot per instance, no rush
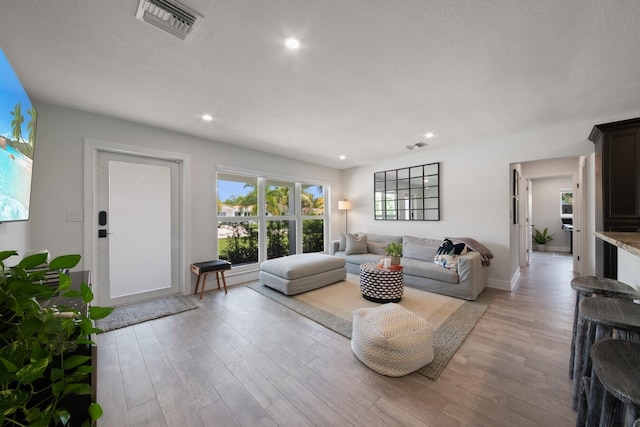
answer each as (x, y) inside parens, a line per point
(244, 360)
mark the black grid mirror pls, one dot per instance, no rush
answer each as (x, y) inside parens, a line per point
(408, 194)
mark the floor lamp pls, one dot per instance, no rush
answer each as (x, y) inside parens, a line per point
(345, 205)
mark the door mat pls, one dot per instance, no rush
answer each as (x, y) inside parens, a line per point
(132, 314)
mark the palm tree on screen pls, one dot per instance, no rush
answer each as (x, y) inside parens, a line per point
(16, 123)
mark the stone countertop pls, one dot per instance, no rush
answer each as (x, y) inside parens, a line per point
(629, 241)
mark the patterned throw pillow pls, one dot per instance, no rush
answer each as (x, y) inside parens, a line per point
(447, 255)
(355, 244)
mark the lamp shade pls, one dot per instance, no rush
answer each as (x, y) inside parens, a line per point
(344, 205)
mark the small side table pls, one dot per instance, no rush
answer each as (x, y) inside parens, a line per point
(202, 269)
(380, 284)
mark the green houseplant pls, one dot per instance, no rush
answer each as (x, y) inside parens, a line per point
(42, 370)
(394, 250)
(543, 238)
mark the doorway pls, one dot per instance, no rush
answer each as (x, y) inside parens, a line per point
(135, 243)
(541, 176)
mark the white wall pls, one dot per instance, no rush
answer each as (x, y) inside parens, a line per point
(58, 178)
(14, 236)
(546, 209)
(475, 188)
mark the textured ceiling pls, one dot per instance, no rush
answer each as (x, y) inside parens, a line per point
(371, 76)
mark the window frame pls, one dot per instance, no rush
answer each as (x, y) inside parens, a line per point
(262, 216)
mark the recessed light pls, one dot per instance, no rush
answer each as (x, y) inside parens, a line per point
(429, 135)
(207, 117)
(292, 43)
(342, 157)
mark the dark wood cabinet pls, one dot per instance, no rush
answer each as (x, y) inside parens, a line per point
(617, 163)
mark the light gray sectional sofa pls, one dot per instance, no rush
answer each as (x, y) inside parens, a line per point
(420, 271)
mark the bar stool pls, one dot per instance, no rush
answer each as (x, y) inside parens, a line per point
(615, 366)
(587, 286)
(601, 316)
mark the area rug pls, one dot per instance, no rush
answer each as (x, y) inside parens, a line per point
(331, 307)
(143, 311)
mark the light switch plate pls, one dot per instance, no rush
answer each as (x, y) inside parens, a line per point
(74, 215)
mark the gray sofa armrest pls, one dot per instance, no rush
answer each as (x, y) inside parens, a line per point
(333, 247)
(472, 272)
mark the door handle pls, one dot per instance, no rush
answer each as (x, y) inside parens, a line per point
(102, 218)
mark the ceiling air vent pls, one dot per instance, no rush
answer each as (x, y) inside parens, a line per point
(171, 16)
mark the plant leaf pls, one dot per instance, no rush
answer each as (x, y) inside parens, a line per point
(8, 365)
(12, 399)
(56, 374)
(96, 313)
(78, 388)
(64, 262)
(31, 372)
(64, 416)
(6, 254)
(95, 411)
(32, 261)
(87, 293)
(71, 294)
(74, 361)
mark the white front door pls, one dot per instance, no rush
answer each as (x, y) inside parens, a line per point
(138, 228)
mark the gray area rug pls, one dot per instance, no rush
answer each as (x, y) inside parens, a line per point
(448, 337)
(148, 310)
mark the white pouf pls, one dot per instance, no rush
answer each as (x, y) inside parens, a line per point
(391, 340)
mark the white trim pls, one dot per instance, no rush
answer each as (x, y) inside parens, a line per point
(91, 149)
(269, 175)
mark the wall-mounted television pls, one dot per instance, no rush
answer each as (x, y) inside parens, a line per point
(18, 120)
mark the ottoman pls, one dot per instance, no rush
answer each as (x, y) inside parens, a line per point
(299, 273)
(391, 340)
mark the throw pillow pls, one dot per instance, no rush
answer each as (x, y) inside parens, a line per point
(447, 255)
(355, 244)
(342, 242)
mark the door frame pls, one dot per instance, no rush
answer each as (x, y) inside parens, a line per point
(92, 147)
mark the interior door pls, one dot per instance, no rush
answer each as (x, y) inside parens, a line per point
(529, 225)
(138, 228)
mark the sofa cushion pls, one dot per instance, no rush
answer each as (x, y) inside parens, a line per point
(301, 265)
(381, 238)
(358, 259)
(342, 242)
(429, 270)
(447, 255)
(377, 248)
(423, 241)
(356, 244)
(419, 252)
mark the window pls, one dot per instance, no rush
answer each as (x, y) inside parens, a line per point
(312, 213)
(237, 200)
(566, 203)
(263, 218)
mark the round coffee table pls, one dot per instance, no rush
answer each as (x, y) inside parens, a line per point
(381, 285)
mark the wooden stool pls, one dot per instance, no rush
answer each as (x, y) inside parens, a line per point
(587, 286)
(202, 269)
(602, 317)
(615, 365)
